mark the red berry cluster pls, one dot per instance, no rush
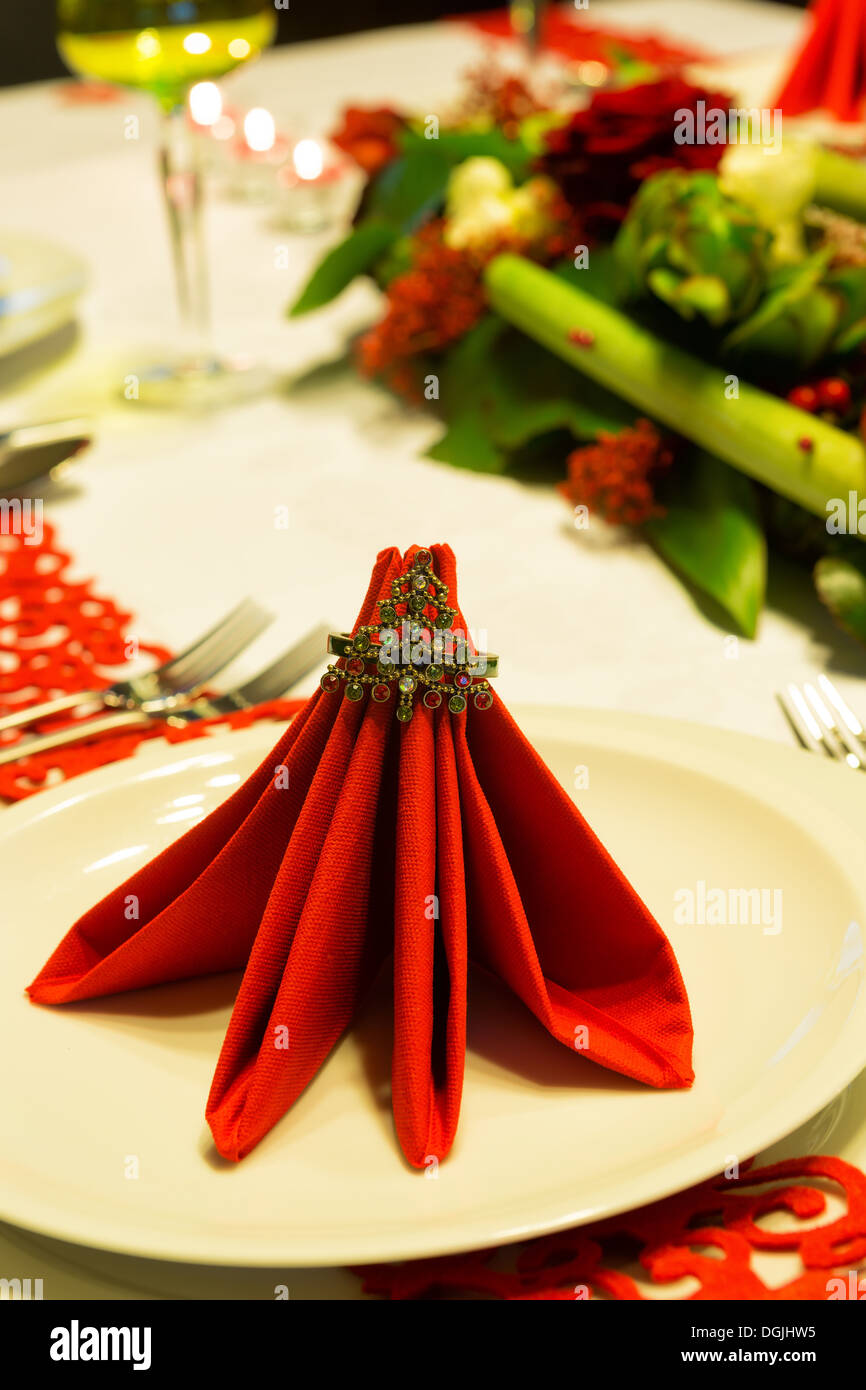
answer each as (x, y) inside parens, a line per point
(832, 394)
(615, 476)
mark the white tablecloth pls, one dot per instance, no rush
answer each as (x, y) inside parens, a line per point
(175, 515)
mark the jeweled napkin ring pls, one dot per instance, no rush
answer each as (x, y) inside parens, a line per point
(414, 648)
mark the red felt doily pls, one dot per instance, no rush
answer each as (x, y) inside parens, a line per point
(709, 1233)
(59, 635)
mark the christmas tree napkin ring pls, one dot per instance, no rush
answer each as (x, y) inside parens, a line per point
(412, 648)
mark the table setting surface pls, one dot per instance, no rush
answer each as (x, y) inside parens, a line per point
(287, 497)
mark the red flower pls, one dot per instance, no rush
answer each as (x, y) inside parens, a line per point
(615, 475)
(369, 135)
(442, 296)
(622, 137)
(429, 306)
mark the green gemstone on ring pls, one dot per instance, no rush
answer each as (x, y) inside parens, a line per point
(354, 690)
(361, 642)
(457, 704)
(404, 713)
(434, 674)
(387, 612)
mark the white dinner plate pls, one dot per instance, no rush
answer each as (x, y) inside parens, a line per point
(39, 287)
(103, 1133)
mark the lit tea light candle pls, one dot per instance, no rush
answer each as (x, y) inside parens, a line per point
(205, 105)
(260, 130)
(308, 159)
(260, 141)
(214, 123)
(314, 183)
(259, 150)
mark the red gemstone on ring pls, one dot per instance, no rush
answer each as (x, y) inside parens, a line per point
(432, 699)
(355, 666)
(330, 681)
(381, 692)
(423, 558)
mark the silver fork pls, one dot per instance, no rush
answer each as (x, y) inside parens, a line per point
(160, 689)
(269, 684)
(824, 722)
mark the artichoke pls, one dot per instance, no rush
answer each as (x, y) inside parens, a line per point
(701, 251)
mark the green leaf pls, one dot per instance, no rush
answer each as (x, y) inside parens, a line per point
(412, 187)
(499, 387)
(601, 278)
(467, 444)
(340, 266)
(712, 534)
(795, 319)
(457, 145)
(842, 587)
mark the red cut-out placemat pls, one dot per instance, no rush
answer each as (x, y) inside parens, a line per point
(59, 635)
(708, 1233)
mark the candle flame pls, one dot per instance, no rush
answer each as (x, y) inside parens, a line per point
(260, 131)
(205, 103)
(308, 159)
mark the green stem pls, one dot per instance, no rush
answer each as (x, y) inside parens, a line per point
(840, 183)
(795, 454)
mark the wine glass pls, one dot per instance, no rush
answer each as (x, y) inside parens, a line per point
(164, 47)
(526, 20)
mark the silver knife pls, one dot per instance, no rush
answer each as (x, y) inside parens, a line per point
(33, 453)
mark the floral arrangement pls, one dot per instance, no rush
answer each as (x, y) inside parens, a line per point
(673, 330)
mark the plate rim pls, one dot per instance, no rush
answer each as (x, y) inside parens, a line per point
(778, 760)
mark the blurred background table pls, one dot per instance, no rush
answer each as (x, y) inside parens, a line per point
(176, 514)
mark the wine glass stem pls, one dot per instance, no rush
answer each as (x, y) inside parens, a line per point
(183, 188)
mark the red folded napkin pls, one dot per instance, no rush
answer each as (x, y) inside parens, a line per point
(829, 71)
(434, 837)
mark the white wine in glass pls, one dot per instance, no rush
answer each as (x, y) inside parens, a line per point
(164, 47)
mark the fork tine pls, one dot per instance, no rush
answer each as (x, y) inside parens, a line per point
(801, 719)
(216, 648)
(841, 737)
(283, 673)
(840, 705)
(200, 641)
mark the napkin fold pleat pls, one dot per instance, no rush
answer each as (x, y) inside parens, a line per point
(554, 917)
(429, 943)
(196, 907)
(321, 940)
